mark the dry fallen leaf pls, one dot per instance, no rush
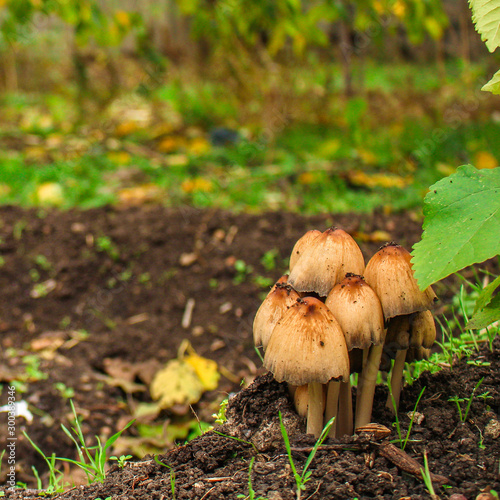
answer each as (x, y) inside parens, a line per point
(177, 383)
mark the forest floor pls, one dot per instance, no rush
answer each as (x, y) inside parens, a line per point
(93, 303)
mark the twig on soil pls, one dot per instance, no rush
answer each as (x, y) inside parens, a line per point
(395, 455)
(188, 313)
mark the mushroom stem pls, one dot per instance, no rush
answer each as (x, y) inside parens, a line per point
(366, 386)
(315, 409)
(396, 381)
(332, 405)
(345, 425)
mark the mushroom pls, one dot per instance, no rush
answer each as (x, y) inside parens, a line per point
(358, 310)
(389, 272)
(308, 347)
(278, 300)
(326, 261)
(302, 243)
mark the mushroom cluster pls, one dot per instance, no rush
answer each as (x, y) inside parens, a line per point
(331, 317)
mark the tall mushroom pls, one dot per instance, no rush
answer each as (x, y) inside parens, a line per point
(389, 272)
(278, 300)
(308, 347)
(359, 312)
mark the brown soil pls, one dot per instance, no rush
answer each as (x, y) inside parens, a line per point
(130, 298)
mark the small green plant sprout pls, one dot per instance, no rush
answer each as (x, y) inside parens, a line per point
(220, 416)
(397, 423)
(458, 401)
(42, 262)
(65, 391)
(301, 479)
(426, 476)
(92, 460)
(251, 492)
(121, 460)
(242, 271)
(172, 475)
(56, 477)
(268, 260)
(106, 245)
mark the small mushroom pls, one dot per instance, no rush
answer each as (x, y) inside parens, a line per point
(278, 300)
(326, 261)
(389, 272)
(357, 309)
(308, 347)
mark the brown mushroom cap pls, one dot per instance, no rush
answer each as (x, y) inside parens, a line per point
(326, 261)
(278, 300)
(389, 272)
(358, 310)
(307, 345)
(302, 243)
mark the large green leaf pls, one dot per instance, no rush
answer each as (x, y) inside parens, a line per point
(486, 17)
(461, 226)
(493, 85)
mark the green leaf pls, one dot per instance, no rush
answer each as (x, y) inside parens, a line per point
(462, 224)
(486, 316)
(493, 85)
(487, 309)
(486, 17)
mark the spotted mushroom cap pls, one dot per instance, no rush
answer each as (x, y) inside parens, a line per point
(326, 261)
(307, 345)
(358, 310)
(389, 272)
(278, 300)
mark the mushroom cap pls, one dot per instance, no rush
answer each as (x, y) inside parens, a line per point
(326, 261)
(302, 243)
(307, 345)
(278, 300)
(358, 310)
(389, 272)
(422, 330)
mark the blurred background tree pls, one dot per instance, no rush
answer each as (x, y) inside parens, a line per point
(325, 92)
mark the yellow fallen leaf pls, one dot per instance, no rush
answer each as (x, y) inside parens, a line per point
(126, 128)
(361, 178)
(375, 236)
(179, 160)
(119, 157)
(329, 148)
(138, 195)
(307, 178)
(4, 189)
(196, 184)
(177, 383)
(206, 370)
(367, 156)
(50, 193)
(199, 146)
(123, 18)
(171, 143)
(484, 159)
